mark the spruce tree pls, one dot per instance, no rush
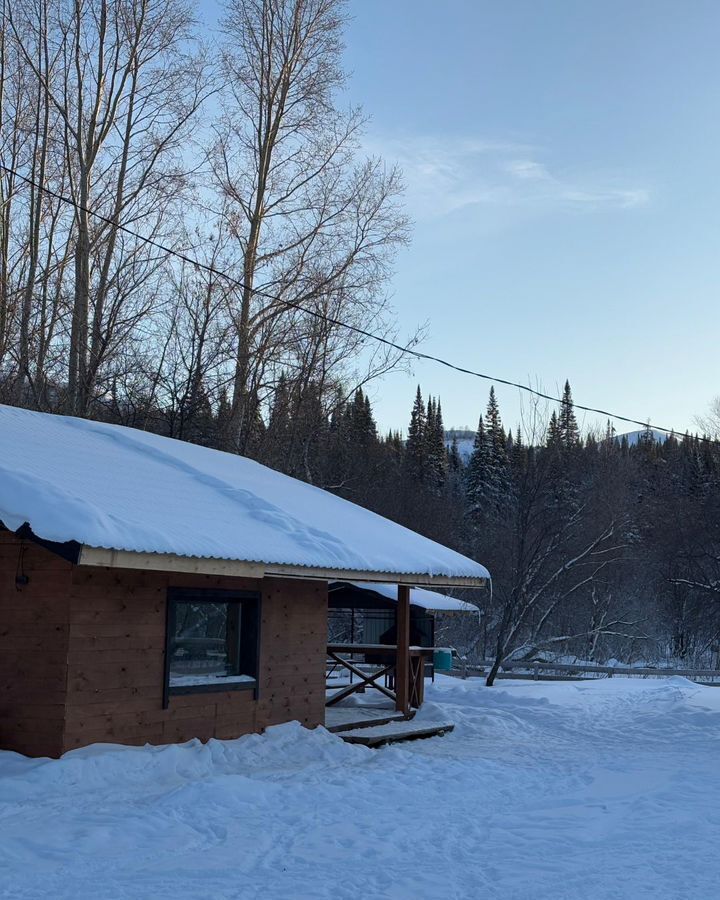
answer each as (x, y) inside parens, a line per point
(609, 443)
(436, 453)
(495, 433)
(553, 432)
(454, 460)
(361, 427)
(646, 438)
(488, 475)
(519, 457)
(415, 448)
(568, 431)
(440, 449)
(476, 471)
(429, 435)
(278, 429)
(394, 443)
(496, 476)
(370, 426)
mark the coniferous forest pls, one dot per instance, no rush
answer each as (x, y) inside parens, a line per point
(601, 546)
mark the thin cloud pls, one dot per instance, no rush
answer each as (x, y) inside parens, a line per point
(445, 175)
(608, 199)
(527, 170)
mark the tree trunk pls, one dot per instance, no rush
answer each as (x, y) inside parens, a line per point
(77, 398)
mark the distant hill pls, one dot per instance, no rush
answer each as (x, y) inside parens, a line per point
(466, 438)
(633, 437)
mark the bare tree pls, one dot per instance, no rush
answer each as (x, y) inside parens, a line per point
(14, 153)
(123, 82)
(710, 424)
(192, 363)
(550, 538)
(315, 224)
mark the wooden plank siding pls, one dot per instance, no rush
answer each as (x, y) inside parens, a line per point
(34, 637)
(82, 657)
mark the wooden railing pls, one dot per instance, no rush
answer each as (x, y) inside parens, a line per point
(387, 657)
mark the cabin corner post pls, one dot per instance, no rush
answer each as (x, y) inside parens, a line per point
(402, 662)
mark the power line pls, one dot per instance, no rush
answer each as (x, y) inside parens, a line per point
(406, 351)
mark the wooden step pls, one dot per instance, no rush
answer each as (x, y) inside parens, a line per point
(393, 732)
(348, 718)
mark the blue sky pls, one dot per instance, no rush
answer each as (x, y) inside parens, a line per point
(561, 161)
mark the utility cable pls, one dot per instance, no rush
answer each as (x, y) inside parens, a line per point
(405, 351)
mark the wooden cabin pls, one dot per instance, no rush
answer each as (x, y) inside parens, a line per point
(153, 591)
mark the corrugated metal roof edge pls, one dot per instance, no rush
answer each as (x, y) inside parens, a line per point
(168, 562)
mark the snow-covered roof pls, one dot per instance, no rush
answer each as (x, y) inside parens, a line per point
(430, 600)
(107, 486)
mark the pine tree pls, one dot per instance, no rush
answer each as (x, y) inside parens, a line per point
(336, 450)
(646, 438)
(488, 474)
(553, 432)
(415, 448)
(440, 446)
(454, 460)
(309, 427)
(394, 442)
(495, 433)
(609, 442)
(370, 426)
(496, 476)
(477, 470)
(360, 427)
(519, 458)
(429, 434)
(435, 451)
(568, 431)
(278, 429)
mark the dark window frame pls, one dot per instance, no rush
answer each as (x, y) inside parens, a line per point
(248, 637)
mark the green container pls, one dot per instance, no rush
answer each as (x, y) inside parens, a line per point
(442, 659)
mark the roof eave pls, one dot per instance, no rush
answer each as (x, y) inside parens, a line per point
(169, 562)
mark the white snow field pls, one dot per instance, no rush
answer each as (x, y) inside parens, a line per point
(606, 789)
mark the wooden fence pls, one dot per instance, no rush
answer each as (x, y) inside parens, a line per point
(543, 671)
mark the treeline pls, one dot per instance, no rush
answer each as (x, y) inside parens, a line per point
(600, 547)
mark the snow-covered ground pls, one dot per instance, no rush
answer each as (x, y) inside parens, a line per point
(606, 789)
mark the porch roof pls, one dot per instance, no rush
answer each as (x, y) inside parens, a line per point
(387, 594)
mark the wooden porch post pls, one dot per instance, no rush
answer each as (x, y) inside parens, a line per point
(402, 661)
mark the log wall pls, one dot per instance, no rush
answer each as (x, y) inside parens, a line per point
(87, 658)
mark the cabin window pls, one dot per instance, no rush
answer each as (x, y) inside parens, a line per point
(212, 641)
